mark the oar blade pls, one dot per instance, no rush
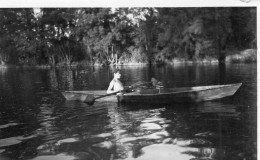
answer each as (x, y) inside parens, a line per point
(90, 99)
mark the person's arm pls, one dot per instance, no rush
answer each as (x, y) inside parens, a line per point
(111, 86)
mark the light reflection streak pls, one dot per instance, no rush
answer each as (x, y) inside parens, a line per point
(143, 134)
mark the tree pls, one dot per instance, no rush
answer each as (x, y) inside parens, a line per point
(105, 34)
(243, 27)
(110, 36)
(17, 29)
(145, 34)
(58, 32)
(175, 30)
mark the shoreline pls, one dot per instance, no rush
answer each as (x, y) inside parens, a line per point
(125, 64)
(245, 56)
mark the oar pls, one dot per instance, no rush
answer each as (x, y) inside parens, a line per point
(90, 100)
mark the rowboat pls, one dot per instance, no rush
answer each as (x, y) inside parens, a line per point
(161, 95)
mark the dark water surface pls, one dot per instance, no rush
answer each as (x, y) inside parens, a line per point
(36, 123)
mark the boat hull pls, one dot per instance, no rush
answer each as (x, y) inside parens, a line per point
(162, 95)
(181, 95)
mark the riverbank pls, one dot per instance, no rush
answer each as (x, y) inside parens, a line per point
(75, 65)
(245, 56)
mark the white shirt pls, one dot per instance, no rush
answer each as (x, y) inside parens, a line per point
(114, 86)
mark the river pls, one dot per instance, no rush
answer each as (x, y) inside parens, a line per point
(37, 123)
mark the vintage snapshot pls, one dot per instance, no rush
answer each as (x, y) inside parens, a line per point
(137, 82)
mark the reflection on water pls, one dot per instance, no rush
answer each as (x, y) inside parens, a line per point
(36, 123)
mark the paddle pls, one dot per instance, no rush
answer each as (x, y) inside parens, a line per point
(90, 100)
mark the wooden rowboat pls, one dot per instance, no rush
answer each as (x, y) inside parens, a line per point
(161, 95)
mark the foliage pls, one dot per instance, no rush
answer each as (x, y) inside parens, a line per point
(17, 35)
(62, 36)
(133, 56)
(246, 56)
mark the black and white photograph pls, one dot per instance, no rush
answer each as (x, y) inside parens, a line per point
(125, 80)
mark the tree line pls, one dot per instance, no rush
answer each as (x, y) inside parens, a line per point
(63, 36)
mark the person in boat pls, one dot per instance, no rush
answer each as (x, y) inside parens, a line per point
(115, 85)
(156, 83)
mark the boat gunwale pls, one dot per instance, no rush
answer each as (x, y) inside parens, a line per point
(156, 94)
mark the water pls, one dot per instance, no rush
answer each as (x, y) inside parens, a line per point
(36, 123)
